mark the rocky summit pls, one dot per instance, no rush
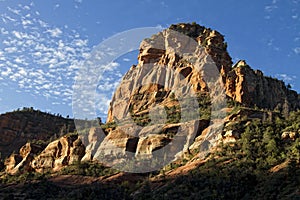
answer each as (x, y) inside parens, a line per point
(176, 66)
(186, 120)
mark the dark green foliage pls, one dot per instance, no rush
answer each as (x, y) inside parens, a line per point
(48, 190)
(236, 180)
(107, 125)
(88, 169)
(23, 178)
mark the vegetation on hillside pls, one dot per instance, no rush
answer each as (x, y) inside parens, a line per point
(264, 163)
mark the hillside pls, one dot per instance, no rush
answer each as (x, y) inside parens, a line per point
(21, 126)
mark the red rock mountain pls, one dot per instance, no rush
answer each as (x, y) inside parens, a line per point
(177, 93)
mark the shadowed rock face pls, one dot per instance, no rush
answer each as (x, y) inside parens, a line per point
(21, 162)
(95, 137)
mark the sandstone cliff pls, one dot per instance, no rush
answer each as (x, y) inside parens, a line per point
(186, 60)
(171, 105)
(162, 98)
(251, 88)
(158, 53)
(59, 153)
(173, 100)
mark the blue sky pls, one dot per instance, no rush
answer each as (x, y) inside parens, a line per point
(42, 43)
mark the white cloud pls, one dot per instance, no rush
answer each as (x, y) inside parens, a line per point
(7, 72)
(3, 31)
(10, 49)
(80, 42)
(270, 8)
(19, 60)
(286, 77)
(42, 23)
(44, 59)
(17, 34)
(110, 67)
(295, 16)
(26, 22)
(15, 11)
(26, 8)
(56, 32)
(6, 19)
(297, 50)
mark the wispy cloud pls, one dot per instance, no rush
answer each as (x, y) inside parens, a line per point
(39, 57)
(55, 32)
(270, 8)
(286, 77)
(297, 50)
(126, 59)
(43, 59)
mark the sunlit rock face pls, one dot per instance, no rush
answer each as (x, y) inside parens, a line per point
(59, 153)
(251, 88)
(185, 60)
(157, 102)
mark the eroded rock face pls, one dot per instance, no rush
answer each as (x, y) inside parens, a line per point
(158, 102)
(183, 60)
(62, 152)
(177, 60)
(174, 68)
(11, 162)
(252, 88)
(18, 163)
(117, 143)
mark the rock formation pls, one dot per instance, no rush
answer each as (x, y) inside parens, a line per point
(65, 151)
(158, 100)
(59, 153)
(251, 88)
(184, 60)
(173, 100)
(95, 138)
(21, 162)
